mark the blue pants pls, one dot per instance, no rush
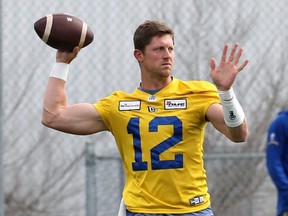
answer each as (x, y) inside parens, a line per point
(205, 212)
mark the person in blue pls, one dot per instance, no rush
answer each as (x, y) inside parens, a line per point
(277, 159)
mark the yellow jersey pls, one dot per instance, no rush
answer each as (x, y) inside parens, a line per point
(160, 139)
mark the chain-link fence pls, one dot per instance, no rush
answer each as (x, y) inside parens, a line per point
(44, 170)
(234, 190)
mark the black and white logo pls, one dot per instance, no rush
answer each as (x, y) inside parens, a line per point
(231, 115)
(196, 200)
(152, 109)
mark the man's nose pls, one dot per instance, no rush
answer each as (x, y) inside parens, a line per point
(167, 53)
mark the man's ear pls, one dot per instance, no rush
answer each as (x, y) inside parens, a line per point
(138, 55)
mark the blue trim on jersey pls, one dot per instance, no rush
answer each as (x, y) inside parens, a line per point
(277, 158)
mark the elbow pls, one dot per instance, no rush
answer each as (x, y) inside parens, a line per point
(240, 137)
(240, 134)
(45, 122)
(48, 119)
(239, 140)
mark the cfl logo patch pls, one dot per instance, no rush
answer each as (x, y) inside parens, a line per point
(152, 98)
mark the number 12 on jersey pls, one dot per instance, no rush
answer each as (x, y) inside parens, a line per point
(156, 164)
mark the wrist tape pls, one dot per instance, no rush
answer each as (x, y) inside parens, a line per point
(233, 111)
(60, 70)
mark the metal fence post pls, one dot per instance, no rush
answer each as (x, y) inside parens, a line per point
(122, 176)
(91, 203)
(1, 123)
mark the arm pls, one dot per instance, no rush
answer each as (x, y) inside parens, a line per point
(275, 152)
(215, 115)
(275, 167)
(223, 77)
(80, 118)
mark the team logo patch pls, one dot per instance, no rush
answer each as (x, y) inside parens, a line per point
(129, 105)
(272, 139)
(175, 104)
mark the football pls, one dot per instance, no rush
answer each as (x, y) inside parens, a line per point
(63, 31)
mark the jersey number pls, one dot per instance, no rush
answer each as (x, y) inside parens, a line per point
(157, 164)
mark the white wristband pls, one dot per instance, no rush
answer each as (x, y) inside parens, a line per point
(233, 111)
(60, 70)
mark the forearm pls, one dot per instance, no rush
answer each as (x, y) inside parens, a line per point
(55, 94)
(54, 99)
(234, 116)
(239, 133)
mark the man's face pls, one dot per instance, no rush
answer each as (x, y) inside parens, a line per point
(158, 56)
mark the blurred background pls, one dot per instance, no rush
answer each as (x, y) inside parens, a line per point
(48, 173)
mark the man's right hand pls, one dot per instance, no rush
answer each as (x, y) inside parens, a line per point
(67, 57)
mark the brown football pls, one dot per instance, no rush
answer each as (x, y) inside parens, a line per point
(63, 31)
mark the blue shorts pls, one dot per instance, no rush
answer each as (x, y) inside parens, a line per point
(205, 212)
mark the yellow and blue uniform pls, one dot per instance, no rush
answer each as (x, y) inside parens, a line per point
(160, 139)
